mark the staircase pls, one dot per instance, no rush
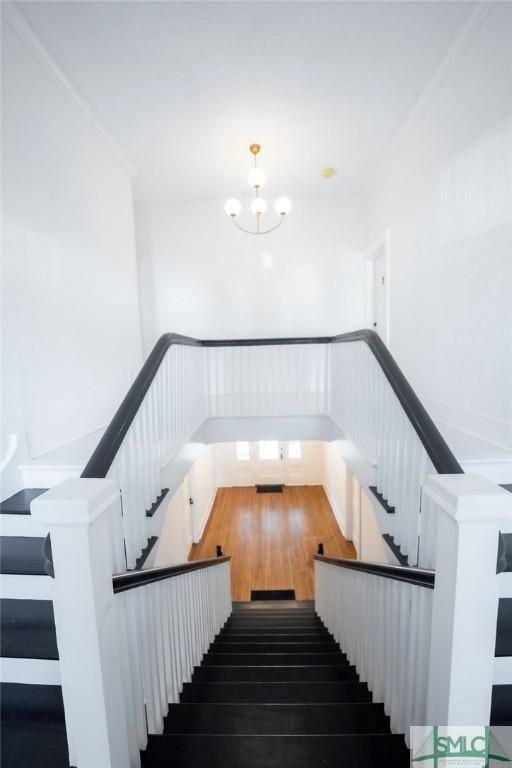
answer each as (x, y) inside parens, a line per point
(32, 712)
(275, 691)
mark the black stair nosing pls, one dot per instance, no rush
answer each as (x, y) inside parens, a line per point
(382, 501)
(276, 637)
(153, 508)
(394, 547)
(501, 705)
(228, 646)
(264, 595)
(357, 717)
(275, 692)
(504, 628)
(293, 605)
(274, 659)
(19, 503)
(145, 552)
(507, 539)
(257, 751)
(22, 555)
(28, 629)
(276, 673)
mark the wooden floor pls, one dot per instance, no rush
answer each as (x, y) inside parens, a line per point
(272, 537)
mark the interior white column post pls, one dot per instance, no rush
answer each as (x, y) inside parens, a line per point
(83, 517)
(470, 513)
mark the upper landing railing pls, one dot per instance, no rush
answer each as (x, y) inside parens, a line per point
(352, 378)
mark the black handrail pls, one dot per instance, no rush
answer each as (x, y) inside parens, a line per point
(132, 579)
(438, 451)
(418, 576)
(104, 454)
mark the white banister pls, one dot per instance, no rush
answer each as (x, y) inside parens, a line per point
(366, 408)
(84, 520)
(428, 655)
(469, 512)
(383, 626)
(123, 656)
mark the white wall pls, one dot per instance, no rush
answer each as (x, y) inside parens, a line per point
(202, 277)
(184, 523)
(338, 487)
(446, 197)
(71, 335)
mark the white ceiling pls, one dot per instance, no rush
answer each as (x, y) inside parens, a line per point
(184, 87)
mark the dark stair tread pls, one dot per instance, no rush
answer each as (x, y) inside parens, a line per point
(501, 705)
(302, 674)
(275, 637)
(28, 629)
(286, 646)
(145, 552)
(273, 659)
(33, 727)
(276, 718)
(153, 508)
(19, 503)
(504, 627)
(380, 498)
(275, 693)
(22, 555)
(338, 751)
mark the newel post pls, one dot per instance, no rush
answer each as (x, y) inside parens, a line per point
(469, 511)
(84, 519)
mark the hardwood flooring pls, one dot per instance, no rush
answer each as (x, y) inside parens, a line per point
(272, 537)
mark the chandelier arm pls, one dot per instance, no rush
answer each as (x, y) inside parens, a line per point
(251, 232)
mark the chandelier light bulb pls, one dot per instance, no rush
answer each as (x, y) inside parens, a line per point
(283, 206)
(257, 178)
(258, 205)
(233, 207)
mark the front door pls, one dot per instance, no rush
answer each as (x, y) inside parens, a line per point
(270, 463)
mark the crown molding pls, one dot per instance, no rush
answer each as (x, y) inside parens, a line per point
(442, 72)
(19, 24)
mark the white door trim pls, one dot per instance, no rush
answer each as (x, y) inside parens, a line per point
(379, 247)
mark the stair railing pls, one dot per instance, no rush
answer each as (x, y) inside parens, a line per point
(374, 404)
(424, 638)
(162, 409)
(127, 642)
(352, 378)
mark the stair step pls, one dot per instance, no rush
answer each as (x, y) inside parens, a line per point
(275, 693)
(22, 555)
(504, 627)
(33, 728)
(501, 707)
(274, 659)
(276, 718)
(19, 503)
(288, 612)
(276, 637)
(275, 674)
(339, 751)
(256, 622)
(290, 646)
(28, 629)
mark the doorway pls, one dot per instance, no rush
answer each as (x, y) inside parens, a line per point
(378, 287)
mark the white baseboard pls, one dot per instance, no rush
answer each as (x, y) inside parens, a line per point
(335, 510)
(207, 514)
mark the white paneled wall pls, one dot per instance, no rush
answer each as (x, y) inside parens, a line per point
(281, 380)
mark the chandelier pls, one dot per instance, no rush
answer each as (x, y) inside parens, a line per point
(257, 178)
